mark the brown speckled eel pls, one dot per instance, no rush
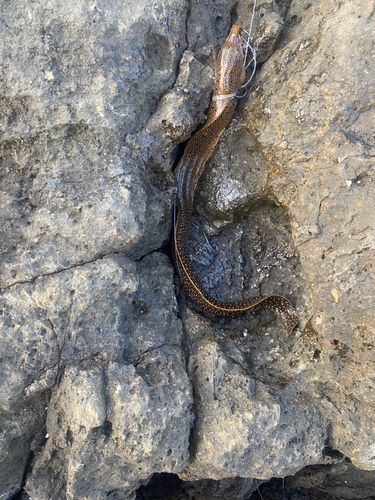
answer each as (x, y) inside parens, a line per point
(229, 75)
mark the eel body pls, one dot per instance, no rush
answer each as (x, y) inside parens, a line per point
(229, 75)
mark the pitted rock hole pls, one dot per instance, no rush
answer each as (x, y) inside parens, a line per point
(255, 255)
(158, 52)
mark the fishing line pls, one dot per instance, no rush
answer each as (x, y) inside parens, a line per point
(253, 59)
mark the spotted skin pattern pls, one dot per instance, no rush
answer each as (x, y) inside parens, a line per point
(229, 75)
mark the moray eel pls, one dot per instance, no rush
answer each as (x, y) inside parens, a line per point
(229, 75)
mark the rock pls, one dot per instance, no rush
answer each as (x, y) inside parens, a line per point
(47, 336)
(75, 80)
(22, 431)
(112, 427)
(46, 323)
(207, 28)
(341, 479)
(336, 479)
(267, 26)
(310, 112)
(99, 361)
(241, 429)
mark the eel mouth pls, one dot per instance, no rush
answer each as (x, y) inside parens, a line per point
(234, 34)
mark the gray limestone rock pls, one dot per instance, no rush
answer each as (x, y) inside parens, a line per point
(108, 311)
(106, 378)
(241, 428)
(22, 432)
(339, 479)
(311, 111)
(113, 425)
(75, 79)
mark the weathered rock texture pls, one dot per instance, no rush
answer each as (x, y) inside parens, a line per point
(312, 113)
(106, 377)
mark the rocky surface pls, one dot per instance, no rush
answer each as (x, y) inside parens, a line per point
(313, 103)
(110, 377)
(105, 420)
(108, 374)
